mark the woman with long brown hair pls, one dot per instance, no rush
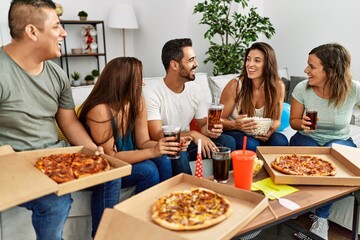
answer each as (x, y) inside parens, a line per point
(257, 92)
(116, 118)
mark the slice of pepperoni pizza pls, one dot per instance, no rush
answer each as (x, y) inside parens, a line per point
(85, 165)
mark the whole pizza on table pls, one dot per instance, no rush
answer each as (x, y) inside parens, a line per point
(193, 209)
(69, 166)
(305, 165)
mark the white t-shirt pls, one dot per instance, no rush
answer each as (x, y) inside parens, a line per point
(175, 108)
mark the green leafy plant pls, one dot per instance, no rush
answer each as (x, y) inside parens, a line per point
(235, 30)
(95, 72)
(82, 14)
(89, 78)
(75, 75)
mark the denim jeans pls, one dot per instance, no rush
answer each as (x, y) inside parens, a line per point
(104, 195)
(148, 173)
(49, 214)
(276, 139)
(182, 165)
(302, 140)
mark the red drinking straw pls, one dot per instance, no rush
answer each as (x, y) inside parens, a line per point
(244, 144)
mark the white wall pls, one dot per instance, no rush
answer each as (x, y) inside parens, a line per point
(300, 26)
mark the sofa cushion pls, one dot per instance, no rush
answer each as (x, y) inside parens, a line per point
(217, 83)
(294, 80)
(287, 87)
(81, 93)
(283, 73)
(151, 80)
(203, 81)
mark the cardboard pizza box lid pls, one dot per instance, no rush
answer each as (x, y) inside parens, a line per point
(118, 168)
(119, 225)
(6, 149)
(245, 205)
(343, 158)
(19, 182)
(351, 154)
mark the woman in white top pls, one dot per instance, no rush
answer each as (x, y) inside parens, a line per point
(257, 92)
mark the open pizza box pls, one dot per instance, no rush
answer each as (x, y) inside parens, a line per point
(21, 181)
(345, 159)
(132, 217)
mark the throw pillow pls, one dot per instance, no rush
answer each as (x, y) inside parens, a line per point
(283, 73)
(61, 136)
(287, 87)
(294, 80)
(217, 83)
(203, 81)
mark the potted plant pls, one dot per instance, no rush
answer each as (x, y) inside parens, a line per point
(95, 74)
(76, 78)
(82, 15)
(235, 30)
(89, 79)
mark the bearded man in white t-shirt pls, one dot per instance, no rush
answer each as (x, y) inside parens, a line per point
(177, 99)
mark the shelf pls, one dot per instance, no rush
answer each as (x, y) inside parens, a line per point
(83, 55)
(91, 22)
(64, 58)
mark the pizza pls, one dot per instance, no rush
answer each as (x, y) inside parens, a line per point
(193, 209)
(305, 165)
(69, 166)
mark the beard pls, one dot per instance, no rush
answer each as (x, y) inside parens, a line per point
(187, 73)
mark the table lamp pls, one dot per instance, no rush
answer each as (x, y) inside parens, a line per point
(123, 16)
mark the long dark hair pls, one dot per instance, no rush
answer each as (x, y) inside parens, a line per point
(119, 86)
(271, 84)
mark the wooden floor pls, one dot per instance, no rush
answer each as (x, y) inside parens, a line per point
(285, 232)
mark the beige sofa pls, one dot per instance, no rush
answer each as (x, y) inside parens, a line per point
(15, 223)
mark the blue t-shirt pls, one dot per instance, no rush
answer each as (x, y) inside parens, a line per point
(333, 122)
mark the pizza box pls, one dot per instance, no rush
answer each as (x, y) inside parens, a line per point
(345, 160)
(133, 214)
(21, 181)
(118, 168)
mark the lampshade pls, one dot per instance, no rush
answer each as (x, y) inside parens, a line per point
(123, 16)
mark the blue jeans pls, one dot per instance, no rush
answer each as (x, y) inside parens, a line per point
(302, 140)
(276, 139)
(148, 173)
(49, 214)
(182, 165)
(104, 195)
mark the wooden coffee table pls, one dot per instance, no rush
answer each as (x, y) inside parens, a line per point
(308, 197)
